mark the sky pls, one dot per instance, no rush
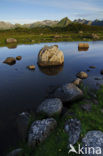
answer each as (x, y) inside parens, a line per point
(28, 11)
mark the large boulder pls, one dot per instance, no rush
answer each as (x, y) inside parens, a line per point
(10, 61)
(11, 40)
(50, 56)
(40, 130)
(22, 125)
(51, 107)
(93, 140)
(73, 128)
(68, 93)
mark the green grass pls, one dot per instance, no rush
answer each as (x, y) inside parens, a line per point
(56, 143)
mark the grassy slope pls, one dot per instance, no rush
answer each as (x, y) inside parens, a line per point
(56, 143)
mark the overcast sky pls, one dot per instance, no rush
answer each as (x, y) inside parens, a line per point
(28, 11)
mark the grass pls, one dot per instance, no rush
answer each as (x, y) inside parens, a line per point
(32, 37)
(56, 143)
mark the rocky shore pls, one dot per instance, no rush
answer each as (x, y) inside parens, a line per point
(63, 113)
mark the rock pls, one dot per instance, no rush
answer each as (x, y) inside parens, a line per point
(50, 56)
(68, 92)
(82, 75)
(95, 36)
(31, 67)
(16, 152)
(93, 139)
(77, 82)
(93, 67)
(40, 130)
(83, 45)
(102, 72)
(18, 58)
(73, 128)
(22, 125)
(10, 61)
(51, 107)
(11, 40)
(87, 107)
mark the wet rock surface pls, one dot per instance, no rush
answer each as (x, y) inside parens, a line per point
(10, 61)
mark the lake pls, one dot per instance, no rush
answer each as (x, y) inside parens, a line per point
(23, 90)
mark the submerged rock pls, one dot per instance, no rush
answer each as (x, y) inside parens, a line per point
(22, 125)
(40, 130)
(94, 140)
(18, 58)
(31, 67)
(68, 92)
(77, 82)
(10, 61)
(50, 56)
(73, 128)
(11, 40)
(16, 152)
(82, 75)
(51, 107)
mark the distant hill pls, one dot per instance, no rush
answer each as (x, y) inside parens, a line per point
(62, 23)
(95, 22)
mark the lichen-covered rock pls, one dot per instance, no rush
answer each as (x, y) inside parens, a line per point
(22, 125)
(40, 130)
(10, 61)
(82, 75)
(83, 45)
(51, 106)
(73, 128)
(77, 82)
(68, 92)
(50, 56)
(93, 139)
(18, 58)
(16, 152)
(11, 40)
(31, 67)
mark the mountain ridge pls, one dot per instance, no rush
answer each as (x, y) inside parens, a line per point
(62, 23)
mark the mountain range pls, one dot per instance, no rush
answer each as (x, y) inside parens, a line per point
(62, 23)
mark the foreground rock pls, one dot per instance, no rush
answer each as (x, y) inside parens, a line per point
(18, 58)
(40, 130)
(10, 61)
(31, 67)
(50, 56)
(77, 82)
(68, 92)
(16, 152)
(94, 139)
(82, 75)
(73, 128)
(22, 125)
(11, 40)
(51, 107)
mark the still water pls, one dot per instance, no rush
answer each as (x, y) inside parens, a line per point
(23, 90)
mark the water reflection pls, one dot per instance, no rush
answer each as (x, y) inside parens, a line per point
(82, 49)
(51, 70)
(12, 46)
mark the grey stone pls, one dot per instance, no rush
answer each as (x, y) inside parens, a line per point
(16, 152)
(93, 139)
(22, 125)
(51, 106)
(73, 128)
(40, 130)
(68, 92)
